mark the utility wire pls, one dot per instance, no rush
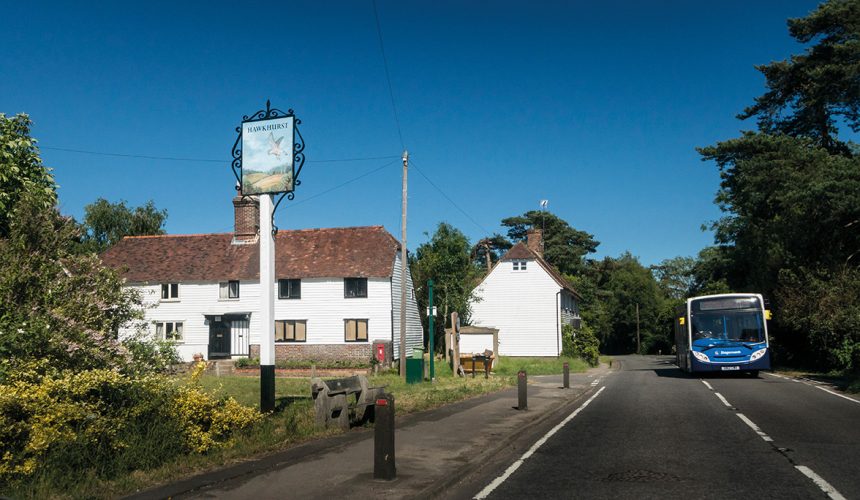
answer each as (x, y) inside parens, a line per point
(329, 190)
(388, 75)
(205, 160)
(482, 228)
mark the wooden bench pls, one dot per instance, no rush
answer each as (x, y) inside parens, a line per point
(344, 401)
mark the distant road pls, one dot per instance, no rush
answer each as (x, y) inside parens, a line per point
(650, 431)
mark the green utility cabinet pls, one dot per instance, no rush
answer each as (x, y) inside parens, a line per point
(414, 370)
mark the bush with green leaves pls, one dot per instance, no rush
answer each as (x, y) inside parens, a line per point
(582, 343)
(102, 422)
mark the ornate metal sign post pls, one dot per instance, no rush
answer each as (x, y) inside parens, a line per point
(267, 159)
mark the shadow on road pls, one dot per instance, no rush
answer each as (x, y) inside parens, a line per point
(671, 372)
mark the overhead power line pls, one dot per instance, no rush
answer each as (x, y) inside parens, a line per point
(329, 190)
(482, 228)
(388, 75)
(204, 160)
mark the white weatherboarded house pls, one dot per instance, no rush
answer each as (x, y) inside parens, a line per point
(527, 300)
(337, 290)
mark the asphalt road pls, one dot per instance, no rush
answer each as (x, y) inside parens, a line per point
(650, 431)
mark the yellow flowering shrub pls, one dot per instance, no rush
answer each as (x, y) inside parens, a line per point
(108, 422)
(208, 423)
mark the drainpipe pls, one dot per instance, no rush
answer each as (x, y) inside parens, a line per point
(558, 322)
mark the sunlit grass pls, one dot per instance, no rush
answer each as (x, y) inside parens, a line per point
(294, 422)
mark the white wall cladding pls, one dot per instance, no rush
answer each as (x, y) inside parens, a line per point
(324, 308)
(523, 306)
(197, 299)
(414, 329)
(322, 305)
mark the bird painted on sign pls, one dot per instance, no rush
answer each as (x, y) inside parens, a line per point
(275, 146)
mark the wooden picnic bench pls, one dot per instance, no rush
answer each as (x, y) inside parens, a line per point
(344, 401)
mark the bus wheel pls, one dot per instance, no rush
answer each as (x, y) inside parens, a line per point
(754, 373)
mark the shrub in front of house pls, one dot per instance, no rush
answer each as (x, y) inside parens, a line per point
(57, 427)
(584, 344)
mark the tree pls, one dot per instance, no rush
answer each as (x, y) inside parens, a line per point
(446, 259)
(791, 193)
(675, 276)
(784, 196)
(106, 223)
(492, 247)
(21, 169)
(564, 247)
(808, 93)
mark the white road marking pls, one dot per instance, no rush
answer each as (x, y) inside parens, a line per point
(595, 382)
(817, 385)
(707, 385)
(516, 465)
(820, 482)
(837, 394)
(754, 427)
(723, 399)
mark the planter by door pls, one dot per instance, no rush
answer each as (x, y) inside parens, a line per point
(219, 340)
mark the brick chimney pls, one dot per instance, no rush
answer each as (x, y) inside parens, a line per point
(535, 241)
(247, 218)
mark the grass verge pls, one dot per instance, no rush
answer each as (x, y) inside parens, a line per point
(294, 423)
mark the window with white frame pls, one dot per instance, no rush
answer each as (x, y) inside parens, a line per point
(170, 291)
(228, 290)
(169, 330)
(520, 265)
(355, 330)
(291, 330)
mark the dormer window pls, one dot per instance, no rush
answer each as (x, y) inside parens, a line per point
(520, 265)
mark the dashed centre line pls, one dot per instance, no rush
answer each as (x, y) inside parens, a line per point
(823, 485)
(754, 427)
(722, 399)
(820, 482)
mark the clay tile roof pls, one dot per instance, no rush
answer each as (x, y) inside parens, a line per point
(309, 253)
(521, 251)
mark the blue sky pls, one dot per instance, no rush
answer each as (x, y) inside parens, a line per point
(594, 106)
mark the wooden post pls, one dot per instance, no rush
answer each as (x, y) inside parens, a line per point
(638, 343)
(455, 332)
(383, 439)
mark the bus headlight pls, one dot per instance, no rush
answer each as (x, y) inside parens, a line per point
(701, 356)
(756, 355)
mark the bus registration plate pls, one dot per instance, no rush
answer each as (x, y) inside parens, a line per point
(730, 368)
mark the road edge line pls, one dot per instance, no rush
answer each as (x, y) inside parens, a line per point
(495, 483)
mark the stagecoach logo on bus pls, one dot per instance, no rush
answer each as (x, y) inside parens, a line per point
(268, 152)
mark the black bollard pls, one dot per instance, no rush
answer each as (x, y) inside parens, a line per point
(383, 439)
(522, 390)
(567, 375)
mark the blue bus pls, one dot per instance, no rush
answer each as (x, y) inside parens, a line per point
(722, 333)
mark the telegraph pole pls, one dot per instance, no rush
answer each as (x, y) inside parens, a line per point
(403, 270)
(431, 346)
